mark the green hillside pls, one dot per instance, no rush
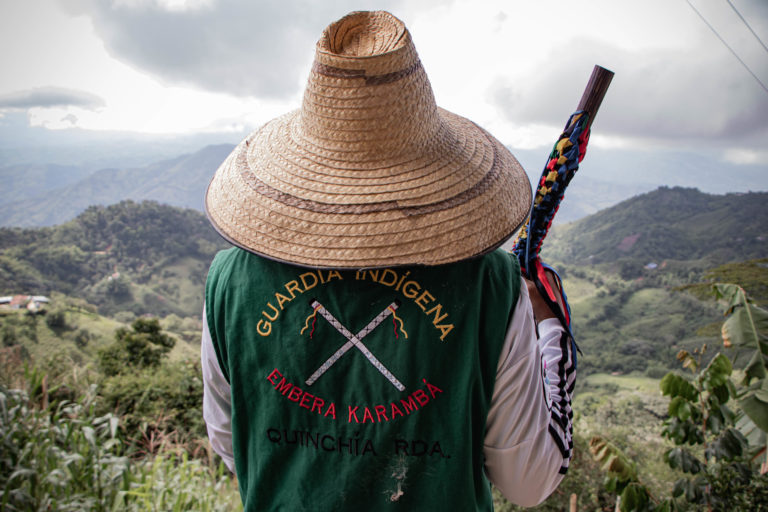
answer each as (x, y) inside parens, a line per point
(639, 274)
(139, 258)
(667, 225)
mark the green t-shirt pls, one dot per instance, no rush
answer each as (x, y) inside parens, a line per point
(360, 390)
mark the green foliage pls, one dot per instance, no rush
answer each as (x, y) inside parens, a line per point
(18, 328)
(613, 461)
(712, 443)
(677, 387)
(60, 459)
(648, 323)
(746, 329)
(134, 242)
(622, 476)
(698, 415)
(70, 457)
(158, 401)
(82, 338)
(142, 347)
(56, 319)
(751, 275)
(177, 483)
(666, 224)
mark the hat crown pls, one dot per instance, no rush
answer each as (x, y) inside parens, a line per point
(363, 34)
(367, 94)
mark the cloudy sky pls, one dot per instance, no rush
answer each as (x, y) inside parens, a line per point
(516, 67)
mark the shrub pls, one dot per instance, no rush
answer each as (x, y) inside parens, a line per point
(142, 347)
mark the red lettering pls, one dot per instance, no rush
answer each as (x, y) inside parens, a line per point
(352, 414)
(295, 394)
(284, 386)
(305, 400)
(271, 376)
(331, 410)
(421, 396)
(368, 416)
(381, 411)
(432, 388)
(395, 410)
(318, 404)
(409, 405)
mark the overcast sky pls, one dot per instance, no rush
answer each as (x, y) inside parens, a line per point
(518, 68)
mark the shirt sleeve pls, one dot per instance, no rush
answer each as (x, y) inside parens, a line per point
(528, 441)
(217, 411)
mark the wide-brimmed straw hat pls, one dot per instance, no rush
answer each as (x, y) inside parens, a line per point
(369, 172)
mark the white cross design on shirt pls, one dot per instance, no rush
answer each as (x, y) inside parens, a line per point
(356, 342)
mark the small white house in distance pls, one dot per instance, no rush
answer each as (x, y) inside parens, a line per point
(32, 303)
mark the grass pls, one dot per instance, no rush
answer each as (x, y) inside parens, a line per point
(644, 386)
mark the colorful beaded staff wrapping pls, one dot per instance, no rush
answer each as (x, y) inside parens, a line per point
(561, 166)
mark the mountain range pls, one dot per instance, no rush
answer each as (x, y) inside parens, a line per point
(180, 181)
(37, 193)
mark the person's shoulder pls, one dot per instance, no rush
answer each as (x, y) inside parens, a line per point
(500, 260)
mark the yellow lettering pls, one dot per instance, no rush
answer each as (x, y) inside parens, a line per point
(304, 278)
(273, 308)
(402, 278)
(332, 274)
(293, 286)
(423, 299)
(281, 299)
(437, 310)
(374, 275)
(411, 289)
(388, 272)
(264, 328)
(445, 329)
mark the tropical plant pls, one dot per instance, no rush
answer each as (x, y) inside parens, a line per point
(716, 447)
(746, 330)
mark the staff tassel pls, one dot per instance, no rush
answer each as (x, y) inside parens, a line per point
(562, 164)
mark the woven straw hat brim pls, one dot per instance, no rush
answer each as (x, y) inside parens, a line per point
(369, 172)
(452, 206)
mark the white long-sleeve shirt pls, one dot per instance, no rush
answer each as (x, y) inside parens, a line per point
(527, 443)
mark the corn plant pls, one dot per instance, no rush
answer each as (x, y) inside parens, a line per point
(170, 482)
(64, 458)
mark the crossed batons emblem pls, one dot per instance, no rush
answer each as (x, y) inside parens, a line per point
(354, 340)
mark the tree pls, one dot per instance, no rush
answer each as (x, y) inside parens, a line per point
(143, 346)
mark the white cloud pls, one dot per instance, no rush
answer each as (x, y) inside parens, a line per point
(50, 97)
(168, 5)
(746, 156)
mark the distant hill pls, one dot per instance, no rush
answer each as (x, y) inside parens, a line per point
(134, 257)
(681, 224)
(179, 182)
(25, 181)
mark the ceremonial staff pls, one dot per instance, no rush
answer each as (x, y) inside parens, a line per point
(562, 164)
